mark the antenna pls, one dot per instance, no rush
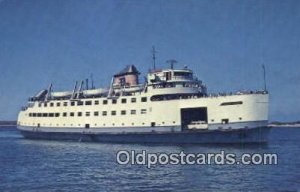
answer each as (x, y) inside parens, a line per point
(172, 62)
(264, 73)
(153, 56)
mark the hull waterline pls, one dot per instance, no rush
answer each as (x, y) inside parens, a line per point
(253, 135)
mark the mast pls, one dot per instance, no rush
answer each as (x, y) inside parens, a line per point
(153, 57)
(264, 73)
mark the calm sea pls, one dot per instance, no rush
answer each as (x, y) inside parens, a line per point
(27, 165)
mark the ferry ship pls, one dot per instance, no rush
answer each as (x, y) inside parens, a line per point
(171, 106)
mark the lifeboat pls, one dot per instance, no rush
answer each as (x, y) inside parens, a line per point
(129, 89)
(93, 92)
(61, 94)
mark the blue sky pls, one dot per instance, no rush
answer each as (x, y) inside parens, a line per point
(224, 42)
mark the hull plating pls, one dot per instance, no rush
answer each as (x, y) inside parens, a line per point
(253, 135)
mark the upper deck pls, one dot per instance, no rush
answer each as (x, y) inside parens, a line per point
(126, 83)
(167, 84)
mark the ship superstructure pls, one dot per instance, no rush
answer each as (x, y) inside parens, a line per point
(171, 106)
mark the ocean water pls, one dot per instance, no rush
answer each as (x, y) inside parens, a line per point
(27, 165)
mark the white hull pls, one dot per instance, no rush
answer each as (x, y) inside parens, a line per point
(170, 103)
(254, 108)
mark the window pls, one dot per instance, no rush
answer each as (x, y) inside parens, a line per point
(113, 112)
(183, 74)
(56, 114)
(51, 114)
(104, 113)
(87, 114)
(79, 114)
(45, 104)
(96, 102)
(40, 104)
(96, 113)
(34, 114)
(122, 81)
(79, 103)
(133, 112)
(88, 103)
(65, 103)
(72, 114)
(104, 102)
(143, 111)
(51, 104)
(114, 101)
(30, 114)
(123, 100)
(123, 112)
(39, 114)
(64, 114)
(133, 100)
(152, 124)
(45, 114)
(144, 99)
(57, 104)
(72, 103)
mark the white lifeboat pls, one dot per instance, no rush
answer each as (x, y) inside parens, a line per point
(134, 89)
(93, 92)
(129, 89)
(61, 94)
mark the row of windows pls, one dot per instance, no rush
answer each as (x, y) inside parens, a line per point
(152, 124)
(96, 102)
(87, 114)
(44, 114)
